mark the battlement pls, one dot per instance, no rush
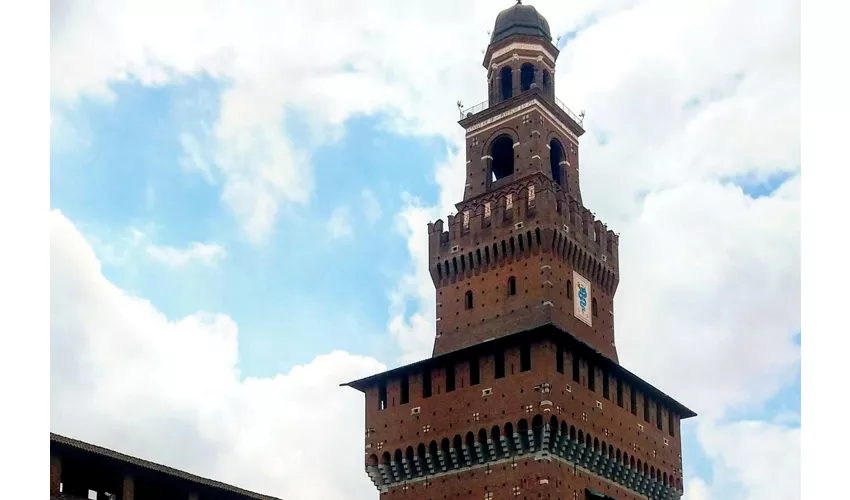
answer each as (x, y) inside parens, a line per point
(532, 211)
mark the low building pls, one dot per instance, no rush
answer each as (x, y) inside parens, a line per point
(76, 468)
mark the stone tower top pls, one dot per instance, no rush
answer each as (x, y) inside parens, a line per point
(523, 250)
(520, 19)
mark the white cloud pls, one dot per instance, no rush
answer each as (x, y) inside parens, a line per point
(139, 243)
(339, 223)
(414, 330)
(114, 355)
(709, 300)
(205, 253)
(371, 205)
(752, 460)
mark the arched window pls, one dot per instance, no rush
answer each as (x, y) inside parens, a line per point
(570, 289)
(526, 76)
(546, 82)
(594, 307)
(397, 462)
(502, 151)
(470, 445)
(509, 437)
(482, 439)
(408, 454)
(506, 77)
(469, 300)
(522, 430)
(556, 156)
(511, 286)
(445, 446)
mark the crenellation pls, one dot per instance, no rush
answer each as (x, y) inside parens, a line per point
(471, 232)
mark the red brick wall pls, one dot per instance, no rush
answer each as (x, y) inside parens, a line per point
(554, 206)
(450, 414)
(541, 298)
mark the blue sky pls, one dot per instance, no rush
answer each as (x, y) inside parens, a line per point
(280, 289)
(712, 185)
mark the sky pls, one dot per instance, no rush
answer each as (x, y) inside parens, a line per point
(240, 194)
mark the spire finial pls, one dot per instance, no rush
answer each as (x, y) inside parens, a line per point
(519, 2)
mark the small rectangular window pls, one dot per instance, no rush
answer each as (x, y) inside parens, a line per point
(426, 383)
(633, 400)
(500, 364)
(405, 390)
(659, 417)
(670, 424)
(382, 396)
(606, 390)
(559, 359)
(450, 378)
(474, 372)
(576, 370)
(646, 403)
(619, 393)
(591, 377)
(525, 358)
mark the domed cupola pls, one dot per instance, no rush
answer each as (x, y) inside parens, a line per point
(520, 20)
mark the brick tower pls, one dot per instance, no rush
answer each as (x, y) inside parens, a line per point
(524, 396)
